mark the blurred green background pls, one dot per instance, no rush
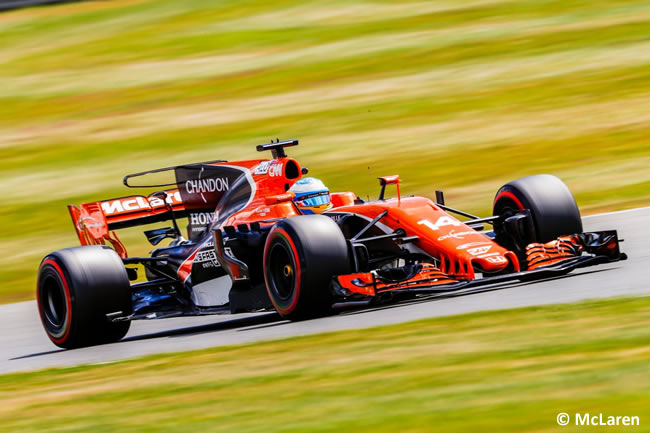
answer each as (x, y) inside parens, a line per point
(461, 96)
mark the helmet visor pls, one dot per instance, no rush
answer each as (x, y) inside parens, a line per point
(313, 199)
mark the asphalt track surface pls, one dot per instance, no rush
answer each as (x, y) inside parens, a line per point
(24, 346)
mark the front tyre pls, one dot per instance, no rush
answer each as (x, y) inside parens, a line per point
(301, 255)
(553, 209)
(76, 288)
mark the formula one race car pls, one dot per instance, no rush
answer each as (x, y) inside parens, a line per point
(250, 248)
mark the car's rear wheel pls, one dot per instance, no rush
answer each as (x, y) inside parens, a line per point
(553, 209)
(76, 288)
(301, 255)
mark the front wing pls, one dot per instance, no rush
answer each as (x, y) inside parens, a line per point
(551, 259)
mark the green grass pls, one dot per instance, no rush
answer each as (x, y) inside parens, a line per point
(506, 371)
(460, 96)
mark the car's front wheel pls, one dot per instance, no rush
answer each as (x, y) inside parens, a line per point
(553, 210)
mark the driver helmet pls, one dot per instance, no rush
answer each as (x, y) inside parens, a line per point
(311, 195)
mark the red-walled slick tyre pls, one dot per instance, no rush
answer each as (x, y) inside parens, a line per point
(76, 288)
(553, 209)
(301, 255)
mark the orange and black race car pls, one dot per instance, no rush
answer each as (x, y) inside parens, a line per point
(251, 247)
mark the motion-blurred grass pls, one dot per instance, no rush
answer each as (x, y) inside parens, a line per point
(504, 371)
(461, 96)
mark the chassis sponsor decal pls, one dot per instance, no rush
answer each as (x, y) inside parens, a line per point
(442, 221)
(203, 257)
(263, 211)
(471, 244)
(218, 184)
(276, 169)
(453, 235)
(497, 259)
(200, 221)
(262, 168)
(203, 187)
(137, 203)
(272, 168)
(479, 250)
(208, 259)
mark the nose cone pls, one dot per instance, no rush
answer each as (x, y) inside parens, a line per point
(484, 255)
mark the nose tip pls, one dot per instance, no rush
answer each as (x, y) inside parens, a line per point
(493, 263)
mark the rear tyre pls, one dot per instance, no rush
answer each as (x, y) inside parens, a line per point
(76, 288)
(301, 255)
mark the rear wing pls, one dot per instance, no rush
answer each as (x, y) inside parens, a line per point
(95, 222)
(200, 190)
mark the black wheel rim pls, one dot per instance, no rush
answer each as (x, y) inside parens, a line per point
(53, 303)
(282, 269)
